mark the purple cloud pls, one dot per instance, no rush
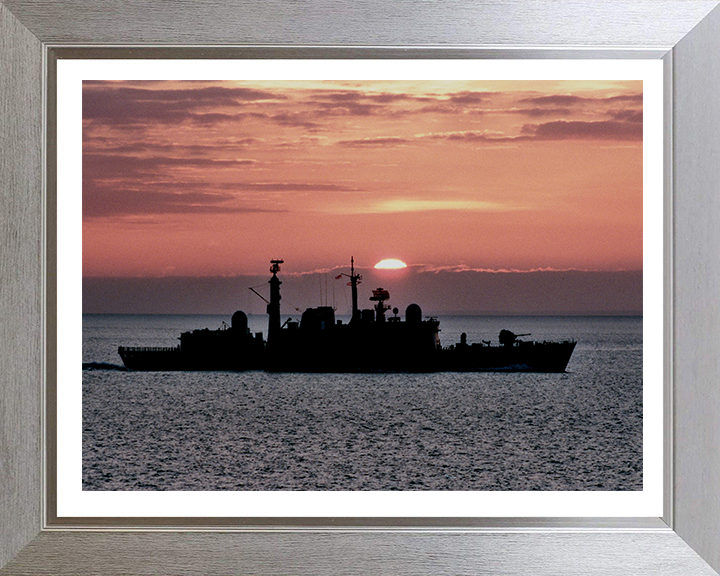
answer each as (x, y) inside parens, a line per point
(628, 115)
(537, 112)
(120, 166)
(555, 100)
(374, 142)
(469, 97)
(118, 105)
(601, 130)
(104, 202)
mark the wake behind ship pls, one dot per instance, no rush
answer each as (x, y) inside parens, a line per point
(372, 341)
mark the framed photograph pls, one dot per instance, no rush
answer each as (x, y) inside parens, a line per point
(196, 160)
(214, 171)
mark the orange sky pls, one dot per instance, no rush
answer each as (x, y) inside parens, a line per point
(217, 178)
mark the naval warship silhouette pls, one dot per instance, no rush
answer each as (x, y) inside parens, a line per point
(372, 341)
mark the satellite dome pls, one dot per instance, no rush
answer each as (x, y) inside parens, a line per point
(413, 314)
(239, 321)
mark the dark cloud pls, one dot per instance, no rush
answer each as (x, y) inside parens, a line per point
(637, 97)
(351, 109)
(295, 119)
(288, 187)
(117, 110)
(374, 142)
(211, 94)
(107, 147)
(558, 130)
(358, 95)
(470, 136)
(458, 103)
(117, 105)
(467, 136)
(138, 198)
(602, 130)
(473, 136)
(628, 115)
(469, 97)
(570, 100)
(446, 107)
(120, 166)
(536, 112)
(218, 117)
(627, 128)
(384, 98)
(555, 100)
(345, 96)
(359, 103)
(440, 108)
(103, 202)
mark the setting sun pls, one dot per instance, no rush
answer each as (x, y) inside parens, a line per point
(390, 264)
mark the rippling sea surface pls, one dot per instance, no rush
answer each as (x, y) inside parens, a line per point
(581, 430)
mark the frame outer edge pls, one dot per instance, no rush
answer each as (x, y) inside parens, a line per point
(697, 288)
(20, 233)
(668, 295)
(20, 284)
(371, 22)
(70, 553)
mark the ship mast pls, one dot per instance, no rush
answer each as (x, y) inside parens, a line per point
(355, 279)
(273, 307)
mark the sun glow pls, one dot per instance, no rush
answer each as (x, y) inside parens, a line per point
(390, 264)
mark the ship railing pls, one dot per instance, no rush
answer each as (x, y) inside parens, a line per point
(122, 349)
(543, 343)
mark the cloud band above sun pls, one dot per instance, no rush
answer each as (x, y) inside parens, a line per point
(407, 205)
(404, 205)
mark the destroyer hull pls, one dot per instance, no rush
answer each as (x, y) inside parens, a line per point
(163, 360)
(522, 357)
(528, 357)
(156, 359)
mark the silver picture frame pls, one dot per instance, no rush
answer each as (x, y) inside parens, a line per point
(685, 34)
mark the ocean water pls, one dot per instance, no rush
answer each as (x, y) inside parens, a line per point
(581, 430)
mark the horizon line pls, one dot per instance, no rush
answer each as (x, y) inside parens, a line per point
(330, 270)
(596, 314)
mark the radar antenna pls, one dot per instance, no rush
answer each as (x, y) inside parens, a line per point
(355, 279)
(379, 296)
